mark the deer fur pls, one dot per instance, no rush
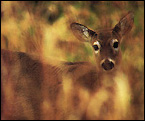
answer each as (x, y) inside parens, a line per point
(33, 89)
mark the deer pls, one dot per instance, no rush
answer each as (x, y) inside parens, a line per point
(32, 89)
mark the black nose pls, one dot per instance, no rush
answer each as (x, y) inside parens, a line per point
(107, 65)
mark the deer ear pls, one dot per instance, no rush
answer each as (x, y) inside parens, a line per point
(82, 32)
(125, 24)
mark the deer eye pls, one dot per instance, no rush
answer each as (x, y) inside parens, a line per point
(115, 45)
(96, 46)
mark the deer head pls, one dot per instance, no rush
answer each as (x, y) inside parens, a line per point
(106, 43)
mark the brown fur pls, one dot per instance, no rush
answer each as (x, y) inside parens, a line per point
(33, 89)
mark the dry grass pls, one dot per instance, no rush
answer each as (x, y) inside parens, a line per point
(42, 28)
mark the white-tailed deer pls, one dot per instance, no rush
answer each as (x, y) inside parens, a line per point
(33, 89)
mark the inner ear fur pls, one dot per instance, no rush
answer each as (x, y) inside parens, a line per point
(125, 24)
(82, 32)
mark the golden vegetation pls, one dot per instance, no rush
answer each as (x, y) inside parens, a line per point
(42, 28)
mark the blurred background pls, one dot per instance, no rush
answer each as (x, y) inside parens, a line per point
(42, 28)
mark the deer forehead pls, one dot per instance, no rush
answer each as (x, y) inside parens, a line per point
(105, 37)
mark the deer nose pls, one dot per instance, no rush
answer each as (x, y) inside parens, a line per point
(107, 64)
